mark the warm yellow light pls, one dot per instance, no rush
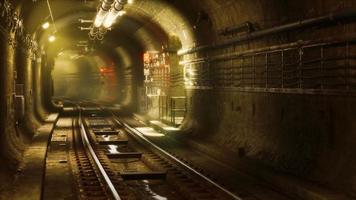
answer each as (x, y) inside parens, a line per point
(45, 25)
(149, 132)
(100, 17)
(122, 13)
(111, 18)
(130, 1)
(52, 38)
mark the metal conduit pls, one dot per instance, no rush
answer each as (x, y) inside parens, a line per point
(333, 17)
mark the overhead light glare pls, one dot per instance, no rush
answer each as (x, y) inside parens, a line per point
(45, 25)
(130, 1)
(100, 17)
(111, 18)
(52, 38)
(122, 13)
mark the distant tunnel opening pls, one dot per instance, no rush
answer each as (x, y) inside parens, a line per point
(80, 77)
(136, 65)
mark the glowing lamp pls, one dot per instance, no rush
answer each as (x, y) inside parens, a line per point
(100, 17)
(45, 25)
(111, 18)
(52, 38)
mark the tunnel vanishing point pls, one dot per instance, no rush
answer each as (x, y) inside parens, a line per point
(178, 99)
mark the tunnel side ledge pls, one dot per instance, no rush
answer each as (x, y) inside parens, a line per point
(29, 180)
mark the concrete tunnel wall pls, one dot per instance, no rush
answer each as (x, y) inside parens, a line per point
(309, 136)
(15, 133)
(306, 136)
(17, 67)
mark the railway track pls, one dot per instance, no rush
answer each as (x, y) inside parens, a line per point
(111, 160)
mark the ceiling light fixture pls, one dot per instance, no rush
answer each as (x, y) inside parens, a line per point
(114, 13)
(107, 14)
(103, 12)
(52, 38)
(45, 25)
(99, 19)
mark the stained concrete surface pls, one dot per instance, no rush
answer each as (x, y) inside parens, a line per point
(29, 180)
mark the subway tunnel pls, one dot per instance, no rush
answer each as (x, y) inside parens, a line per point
(178, 99)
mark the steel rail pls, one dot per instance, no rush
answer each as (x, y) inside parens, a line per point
(135, 133)
(92, 153)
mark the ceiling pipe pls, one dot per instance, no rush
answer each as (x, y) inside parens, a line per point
(330, 18)
(108, 12)
(83, 21)
(103, 12)
(246, 27)
(114, 13)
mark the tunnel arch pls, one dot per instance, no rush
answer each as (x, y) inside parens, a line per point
(150, 34)
(292, 129)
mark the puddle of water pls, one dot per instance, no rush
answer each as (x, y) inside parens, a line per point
(152, 193)
(111, 148)
(109, 137)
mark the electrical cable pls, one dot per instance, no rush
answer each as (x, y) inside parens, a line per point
(51, 14)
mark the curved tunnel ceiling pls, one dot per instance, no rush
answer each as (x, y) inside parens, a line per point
(148, 25)
(268, 88)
